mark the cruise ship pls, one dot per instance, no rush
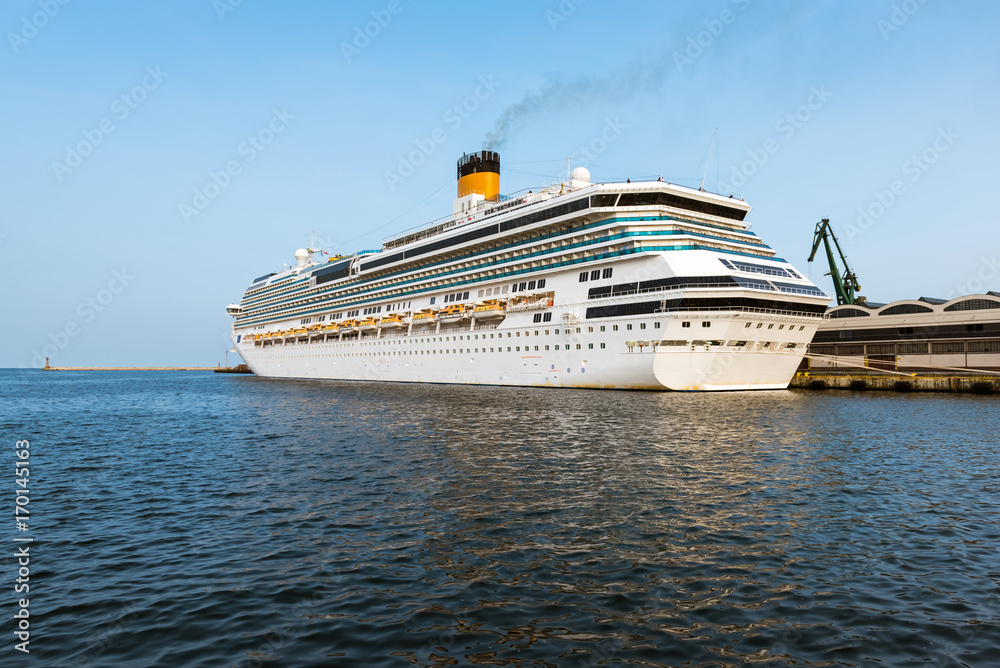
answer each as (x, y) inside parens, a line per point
(636, 285)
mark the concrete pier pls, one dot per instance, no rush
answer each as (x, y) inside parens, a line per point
(129, 368)
(825, 380)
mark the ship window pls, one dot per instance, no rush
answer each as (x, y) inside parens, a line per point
(583, 277)
(531, 285)
(541, 283)
(518, 348)
(536, 332)
(801, 327)
(747, 325)
(602, 328)
(547, 317)
(642, 325)
(607, 272)
(590, 346)
(537, 318)
(546, 347)
(602, 345)
(508, 348)
(465, 295)
(771, 326)
(628, 326)
(656, 325)
(536, 348)
(605, 200)
(614, 328)
(517, 334)
(578, 346)
(708, 324)
(557, 332)
(505, 289)
(685, 324)
(522, 286)
(577, 330)
(432, 299)
(595, 274)
(781, 326)
(759, 325)
(590, 329)
(978, 327)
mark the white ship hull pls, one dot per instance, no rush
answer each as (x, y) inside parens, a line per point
(481, 356)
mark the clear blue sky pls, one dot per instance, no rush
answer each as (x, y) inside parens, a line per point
(894, 79)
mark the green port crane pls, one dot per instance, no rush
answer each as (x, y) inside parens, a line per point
(846, 286)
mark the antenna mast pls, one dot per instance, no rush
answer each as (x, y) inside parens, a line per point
(708, 158)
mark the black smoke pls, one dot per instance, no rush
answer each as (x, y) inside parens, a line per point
(646, 74)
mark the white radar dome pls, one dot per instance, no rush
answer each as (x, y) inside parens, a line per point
(302, 255)
(581, 174)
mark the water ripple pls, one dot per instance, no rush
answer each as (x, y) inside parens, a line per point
(201, 520)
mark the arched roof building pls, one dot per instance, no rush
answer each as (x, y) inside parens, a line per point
(925, 333)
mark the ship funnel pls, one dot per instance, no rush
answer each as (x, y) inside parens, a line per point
(479, 173)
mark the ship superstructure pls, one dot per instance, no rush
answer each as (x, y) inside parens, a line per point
(645, 285)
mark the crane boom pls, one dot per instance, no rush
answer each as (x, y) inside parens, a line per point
(846, 285)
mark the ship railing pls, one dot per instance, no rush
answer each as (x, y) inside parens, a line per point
(444, 329)
(488, 209)
(744, 309)
(477, 328)
(495, 207)
(390, 335)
